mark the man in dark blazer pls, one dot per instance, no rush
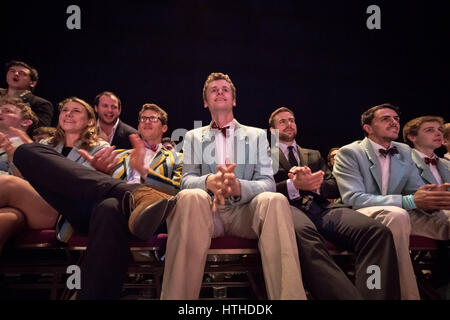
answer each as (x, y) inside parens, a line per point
(108, 108)
(22, 79)
(303, 177)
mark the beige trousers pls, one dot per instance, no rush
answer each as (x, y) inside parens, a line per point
(191, 225)
(402, 224)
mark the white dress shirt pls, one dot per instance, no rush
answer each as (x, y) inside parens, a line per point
(385, 163)
(135, 177)
(103, 134)
(224, 145)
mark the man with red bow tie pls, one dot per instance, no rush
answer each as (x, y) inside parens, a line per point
(228, 189)
(424, 135)
(378, 178)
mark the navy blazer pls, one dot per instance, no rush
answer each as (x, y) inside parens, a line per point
(121, 137)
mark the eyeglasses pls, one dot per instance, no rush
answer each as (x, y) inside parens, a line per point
(153, 119)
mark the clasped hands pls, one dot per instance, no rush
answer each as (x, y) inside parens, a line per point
(431, 197)
(304, 179)
(223, 184)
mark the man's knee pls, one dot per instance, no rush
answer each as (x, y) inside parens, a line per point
(196, 195)
(303, 226)
(192, 204)
(108, 211)
(398, 220)
(272, 198)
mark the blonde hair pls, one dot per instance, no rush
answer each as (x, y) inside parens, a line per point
(218, 76)
(88, 138)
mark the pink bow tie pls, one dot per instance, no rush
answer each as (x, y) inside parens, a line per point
(152, 147)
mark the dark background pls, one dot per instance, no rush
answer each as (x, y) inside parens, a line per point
(315, 57)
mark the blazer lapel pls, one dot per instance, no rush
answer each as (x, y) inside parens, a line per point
(282, 159)
(443, 170)
(373, 162)
(240, 143)
(424, 169)
(208, 139)
(397, 169)
(302, 156)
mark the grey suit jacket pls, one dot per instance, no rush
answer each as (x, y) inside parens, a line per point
(75, 156)
(443, 167)
(358, 174)
(251, 154)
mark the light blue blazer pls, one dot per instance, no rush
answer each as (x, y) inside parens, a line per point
(251, 154)
(75, 156)
(443, 167)
(358, 174)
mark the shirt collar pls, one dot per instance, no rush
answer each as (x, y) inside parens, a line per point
(377, 146)
(284, 147)
(423, 155)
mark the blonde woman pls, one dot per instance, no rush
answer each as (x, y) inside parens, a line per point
(20, 204)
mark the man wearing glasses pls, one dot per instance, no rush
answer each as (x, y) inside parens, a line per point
(378, 178)
(107, 205)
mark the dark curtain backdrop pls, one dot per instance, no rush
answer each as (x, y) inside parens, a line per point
(315, 57)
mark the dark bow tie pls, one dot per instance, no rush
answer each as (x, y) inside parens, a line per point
(223, 129)
(152, 147)
(389, 151)
(433, 161)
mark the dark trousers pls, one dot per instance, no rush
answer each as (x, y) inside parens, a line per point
(370, 241)
(92, 202)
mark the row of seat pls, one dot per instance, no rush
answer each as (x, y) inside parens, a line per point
(37, 260)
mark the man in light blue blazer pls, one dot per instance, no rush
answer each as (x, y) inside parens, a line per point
(378, 177)
(228, 189)
(424, 135)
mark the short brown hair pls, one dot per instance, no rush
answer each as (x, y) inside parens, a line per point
(447, 131)
(413, 126)
(25, 110)
(34, 75)
(161, 113)
(108, 94)
(279, 110)
(218, 76)
(44, 130)
(368, 115)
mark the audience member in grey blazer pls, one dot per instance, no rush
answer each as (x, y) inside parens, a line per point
(378, 177)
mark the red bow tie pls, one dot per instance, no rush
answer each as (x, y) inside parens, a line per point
(152, 147)
(223, 129)
(390, 151)
(433, 161)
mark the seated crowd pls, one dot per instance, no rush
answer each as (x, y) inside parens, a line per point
(100, 177)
